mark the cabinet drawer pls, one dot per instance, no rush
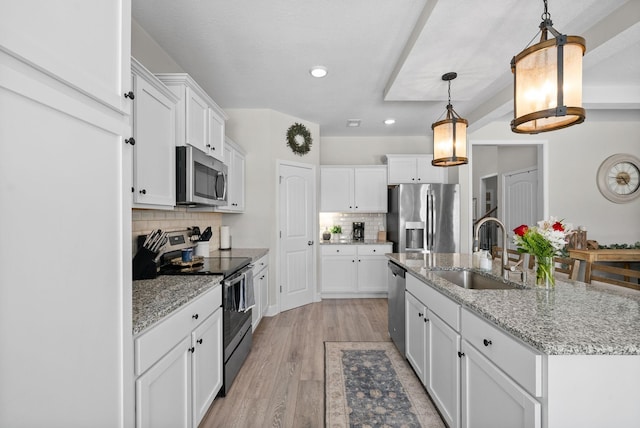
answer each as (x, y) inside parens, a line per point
(151, 345)
(438, 303)
(373, 250)
(261, 263)
(520, 362)
(338, 250)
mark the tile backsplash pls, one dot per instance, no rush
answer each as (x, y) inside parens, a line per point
(144, 221)
(372, 223)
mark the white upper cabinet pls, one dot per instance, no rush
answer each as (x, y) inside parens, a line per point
(414, 169)
(353, 189)
(200, 122)
(154, 151)
(235, 161)
(60, 36)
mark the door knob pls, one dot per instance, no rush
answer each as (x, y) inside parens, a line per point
(310, 243)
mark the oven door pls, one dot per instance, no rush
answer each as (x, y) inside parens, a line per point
(200, 179)
(236, 321)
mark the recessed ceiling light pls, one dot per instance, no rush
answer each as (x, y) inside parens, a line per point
(353, 123)
(318, 71)
(389, 121)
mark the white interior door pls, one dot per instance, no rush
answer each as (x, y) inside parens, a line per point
(520, 199)
(297, 236)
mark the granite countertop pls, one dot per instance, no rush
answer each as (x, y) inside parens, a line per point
(574, 318)
(154, 299)
(352, 242)
(254, 253)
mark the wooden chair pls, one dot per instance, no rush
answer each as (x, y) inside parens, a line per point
(615, 275)
(568, 266)
(564, 265)
(513, 256)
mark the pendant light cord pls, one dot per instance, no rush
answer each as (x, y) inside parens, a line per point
(546, 15)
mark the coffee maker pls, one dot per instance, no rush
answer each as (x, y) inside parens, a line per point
(358, 231)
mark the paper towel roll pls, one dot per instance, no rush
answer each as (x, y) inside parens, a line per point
(225, 238)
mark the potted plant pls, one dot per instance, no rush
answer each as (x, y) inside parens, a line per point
(336, 230)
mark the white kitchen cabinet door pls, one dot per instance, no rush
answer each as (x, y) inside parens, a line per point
(443, 369)
(372, 268)
(427, 173)
(416, 169)
(336, 189)
(206, 376)
(197, 121)
(264, 291)
(490, 398)
(154, 151)
(163, 393)
(236, 163)
(86, 45)
(370, 189)
(339, 269)
(416, 335)
(215, 145)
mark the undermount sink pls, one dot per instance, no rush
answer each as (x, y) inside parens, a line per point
(474, 280)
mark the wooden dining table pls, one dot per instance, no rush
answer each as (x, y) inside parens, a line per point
(587, 257)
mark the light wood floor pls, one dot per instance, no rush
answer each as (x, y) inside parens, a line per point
(282, 381)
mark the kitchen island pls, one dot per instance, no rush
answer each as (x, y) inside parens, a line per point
(564, 357)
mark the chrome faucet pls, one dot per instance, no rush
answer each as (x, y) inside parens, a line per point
(505, 260)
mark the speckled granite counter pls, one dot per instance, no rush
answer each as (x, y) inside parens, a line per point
(352, 242)
(254, 253)
(574, 318)
(153, 299)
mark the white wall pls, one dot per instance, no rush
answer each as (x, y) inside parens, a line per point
(369, 150)
(149, 53)
(574, 155)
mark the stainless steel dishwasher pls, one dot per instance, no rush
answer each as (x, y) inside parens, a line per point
(396, 284)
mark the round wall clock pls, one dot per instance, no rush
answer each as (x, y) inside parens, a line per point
(619, 178)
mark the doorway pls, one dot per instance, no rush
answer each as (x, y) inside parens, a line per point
(297, 223)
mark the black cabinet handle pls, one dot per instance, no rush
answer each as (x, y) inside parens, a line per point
(131, 141)
(143, 191)
(195, 317)
(199, 341)
(487, 342)
(460, 354)
(132, 190)
(419, 315)
(192, 349)
(129, 95)
(426, 320)
(374, 251)
(208, 146)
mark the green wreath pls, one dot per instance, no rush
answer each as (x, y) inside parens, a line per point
(295, 134)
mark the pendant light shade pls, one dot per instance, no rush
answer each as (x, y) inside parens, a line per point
(547, 81)
(450, 135)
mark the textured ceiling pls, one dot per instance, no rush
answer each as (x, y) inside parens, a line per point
(386, 57)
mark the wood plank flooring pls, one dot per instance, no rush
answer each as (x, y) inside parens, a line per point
(282, 381)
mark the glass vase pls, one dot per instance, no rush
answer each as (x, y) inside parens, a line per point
(545, 272)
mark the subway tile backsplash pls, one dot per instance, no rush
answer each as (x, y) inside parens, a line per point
(144, 221)
(372, 223)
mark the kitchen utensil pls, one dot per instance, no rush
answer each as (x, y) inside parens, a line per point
(206, 235)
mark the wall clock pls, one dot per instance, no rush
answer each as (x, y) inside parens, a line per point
(619, 178)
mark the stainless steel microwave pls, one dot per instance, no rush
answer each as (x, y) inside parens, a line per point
(200, 179)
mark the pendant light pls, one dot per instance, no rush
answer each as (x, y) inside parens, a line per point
(450, 135)
(547, 81)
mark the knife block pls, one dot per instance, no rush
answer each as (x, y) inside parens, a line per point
(144, 265)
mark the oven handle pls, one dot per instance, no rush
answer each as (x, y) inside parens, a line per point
(237, 277)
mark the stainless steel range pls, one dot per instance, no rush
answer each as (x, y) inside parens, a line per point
(237, 299)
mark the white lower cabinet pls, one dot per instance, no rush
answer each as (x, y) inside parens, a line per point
(432, 349)
(490, 398)
(443, 368)
(416, 339)
(206, 372)
(353, 270)
(179, 363)
(261, 290)
(163, 393)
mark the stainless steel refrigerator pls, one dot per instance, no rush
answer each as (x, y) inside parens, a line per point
(424, 218)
